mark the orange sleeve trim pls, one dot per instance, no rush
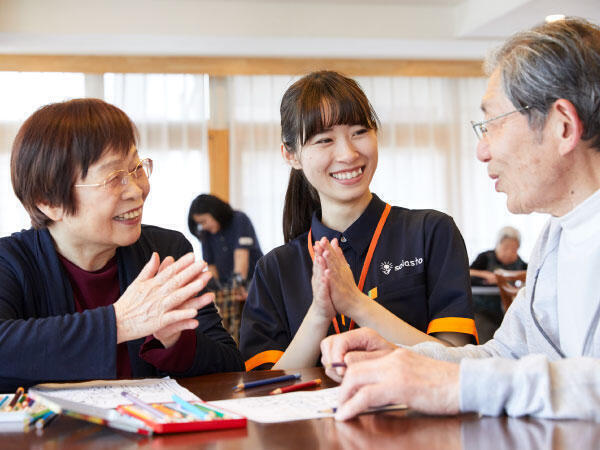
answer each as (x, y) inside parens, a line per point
(269, 356)
(453, 325)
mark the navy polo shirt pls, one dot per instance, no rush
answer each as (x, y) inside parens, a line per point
(419, 272)
(218, 248)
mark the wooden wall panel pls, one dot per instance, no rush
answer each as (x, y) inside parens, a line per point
(218, 158)
(223, 66)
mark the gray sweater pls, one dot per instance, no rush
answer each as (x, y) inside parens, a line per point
(522, 370)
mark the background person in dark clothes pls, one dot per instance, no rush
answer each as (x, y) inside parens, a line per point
(229, 243)
(487, 308)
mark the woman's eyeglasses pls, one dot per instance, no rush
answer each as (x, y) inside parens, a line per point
(120, 178)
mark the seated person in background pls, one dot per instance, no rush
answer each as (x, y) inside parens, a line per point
(84, 294)
(229, 243)
(541, 142)
(504, 256)
(403, 272)
(488, 308)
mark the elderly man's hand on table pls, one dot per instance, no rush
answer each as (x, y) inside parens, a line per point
(378, 373)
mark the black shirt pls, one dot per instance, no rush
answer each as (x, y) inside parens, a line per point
(218, 248)
(419, 269)
(489, 261)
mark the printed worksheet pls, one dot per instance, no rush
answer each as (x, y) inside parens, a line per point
(288, 407)
(107, 393)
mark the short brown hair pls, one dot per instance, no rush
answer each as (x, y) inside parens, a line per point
(57, 144)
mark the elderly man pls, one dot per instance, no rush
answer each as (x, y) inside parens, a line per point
(541, 144)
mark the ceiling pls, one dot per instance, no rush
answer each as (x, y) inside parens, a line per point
(417, 29)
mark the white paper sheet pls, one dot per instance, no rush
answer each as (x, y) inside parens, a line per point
(107, 393)
(300, 405)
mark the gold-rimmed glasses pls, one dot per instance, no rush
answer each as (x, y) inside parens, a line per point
(120, 178)
(480, 128)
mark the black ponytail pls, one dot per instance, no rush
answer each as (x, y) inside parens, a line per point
(301, 200)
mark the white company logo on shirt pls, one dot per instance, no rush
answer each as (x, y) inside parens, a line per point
(245, 240)
(387, 266)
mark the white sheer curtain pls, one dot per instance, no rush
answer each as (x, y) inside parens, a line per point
(21, 93)
(426, 155)
(258, 175)
(171, 113)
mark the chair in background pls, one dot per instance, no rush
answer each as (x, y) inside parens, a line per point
(509, 283)
(230, 302)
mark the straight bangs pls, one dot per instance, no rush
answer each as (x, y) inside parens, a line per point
(324, 105)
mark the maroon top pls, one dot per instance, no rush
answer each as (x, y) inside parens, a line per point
(101, 288)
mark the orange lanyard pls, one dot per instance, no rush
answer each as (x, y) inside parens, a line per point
(366, 264)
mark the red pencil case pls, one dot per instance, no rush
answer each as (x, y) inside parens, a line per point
(186, 423)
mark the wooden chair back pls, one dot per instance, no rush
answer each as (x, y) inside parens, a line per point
(509, 283)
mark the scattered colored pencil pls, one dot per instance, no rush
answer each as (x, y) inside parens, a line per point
(328, 411)
(252, 384)
(296, 387)
(18, 393)
(335, 364)
(40, 415)
(45, 421)
(3, 400)
(145, 406)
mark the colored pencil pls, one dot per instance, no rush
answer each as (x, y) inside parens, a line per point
(188, 407)
(252, 384)
(328, 411)
(16, 398)
(3, 400)
(168, 411)
(93, 414)
(296, 387)
(45, 421)
(145, 406)
(39, 415)
(335, 364)
(209, 410)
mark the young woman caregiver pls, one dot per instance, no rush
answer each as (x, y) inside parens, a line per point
(401, 272)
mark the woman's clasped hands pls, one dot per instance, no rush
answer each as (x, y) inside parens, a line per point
(334, 288)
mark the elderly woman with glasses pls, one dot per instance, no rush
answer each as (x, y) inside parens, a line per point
(89, 292)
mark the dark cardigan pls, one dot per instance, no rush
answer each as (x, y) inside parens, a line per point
(43, 338)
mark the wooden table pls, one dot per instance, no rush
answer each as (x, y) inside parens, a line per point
(389, 430)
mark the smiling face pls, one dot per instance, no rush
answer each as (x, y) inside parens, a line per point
(106, 218)
(522, 162)
(339, 163)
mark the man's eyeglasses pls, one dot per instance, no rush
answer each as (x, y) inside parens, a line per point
(120, 178)
(480, 128)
